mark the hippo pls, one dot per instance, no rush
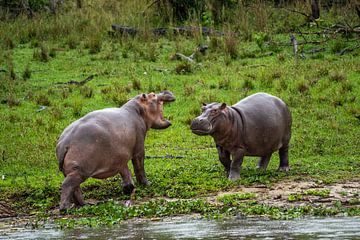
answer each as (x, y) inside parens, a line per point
(258, 125)
(100, 144)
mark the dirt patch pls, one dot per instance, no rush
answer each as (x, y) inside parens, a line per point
(301, 193)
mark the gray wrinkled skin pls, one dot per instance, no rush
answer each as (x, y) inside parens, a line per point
(101, 143)
(258, 125)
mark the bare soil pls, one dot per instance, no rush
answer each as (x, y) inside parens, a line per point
(347, 193)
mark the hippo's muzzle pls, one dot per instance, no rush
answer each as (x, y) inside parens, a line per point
(201, 126)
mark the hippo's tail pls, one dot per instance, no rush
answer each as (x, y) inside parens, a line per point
(61, 153)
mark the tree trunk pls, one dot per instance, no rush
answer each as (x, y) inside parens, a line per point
(79, 3)
(315, 10)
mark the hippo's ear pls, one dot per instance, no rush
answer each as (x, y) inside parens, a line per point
(204, 104)
(223, 106)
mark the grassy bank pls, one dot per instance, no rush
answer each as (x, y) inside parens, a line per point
(322, 90)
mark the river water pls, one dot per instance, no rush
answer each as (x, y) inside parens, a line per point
(190, 228)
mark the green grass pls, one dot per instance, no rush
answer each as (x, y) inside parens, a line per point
(322, 94)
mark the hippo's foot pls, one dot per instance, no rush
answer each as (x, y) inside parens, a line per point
(233, 176)
(145, 182)
(284, 169)
(64, 208)
(128, 188)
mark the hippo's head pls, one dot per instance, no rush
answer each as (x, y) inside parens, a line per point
(211, 116)
(152, 105)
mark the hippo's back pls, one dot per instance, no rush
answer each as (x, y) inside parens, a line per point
(267, 122)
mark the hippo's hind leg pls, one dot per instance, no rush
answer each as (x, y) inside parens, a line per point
(127, 184)
(69, 190)
(78, 198)
(284, 159)
(264, 162)
(224, 157)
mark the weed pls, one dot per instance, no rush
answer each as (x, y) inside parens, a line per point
(338, 45)
(27, 72)
(260, 39)
(318, 192)
(72, 41)
(225, 84)
(77, 106)
(248, 85)
(136, 84)
(295, 197)
(42, 54)
(12, 101)
(52, 52)
(281, 57)
(9, 43)
(230, 44)
(337, 76)
(189, 90)
(302, 86)
(183, 68)
(56, 113)
(216, 44)
(42, 99)
(86, 91)
(234, 199)
(354, 201)
(94, 44)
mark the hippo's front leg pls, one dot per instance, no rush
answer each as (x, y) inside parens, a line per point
(138, 163)
(224, 157)
(237, 156)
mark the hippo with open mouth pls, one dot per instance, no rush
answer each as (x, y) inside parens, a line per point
(101, 143)
(258, 125)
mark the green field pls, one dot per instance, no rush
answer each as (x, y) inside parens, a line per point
(322, 90)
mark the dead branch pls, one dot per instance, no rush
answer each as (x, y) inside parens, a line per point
(165, 157)
(348, 50)
(315, 50)
(81, 83)
(182, 56)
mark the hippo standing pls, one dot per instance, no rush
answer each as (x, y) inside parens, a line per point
(258, 125)
(101, 143)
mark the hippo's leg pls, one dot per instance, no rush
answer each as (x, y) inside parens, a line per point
(71, 183)
(284, 159)
(224, 157)
(264, 162)
(127, 184)
(138, 163)
(236, 163)
(78, 198)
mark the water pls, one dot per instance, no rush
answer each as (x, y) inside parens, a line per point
(185, 228)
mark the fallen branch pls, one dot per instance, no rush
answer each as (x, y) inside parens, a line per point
(348, 50)
(73, 82)
(165, 157)
(315, 50)
(190, 58)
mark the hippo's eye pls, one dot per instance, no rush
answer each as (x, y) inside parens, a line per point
(214, 111)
